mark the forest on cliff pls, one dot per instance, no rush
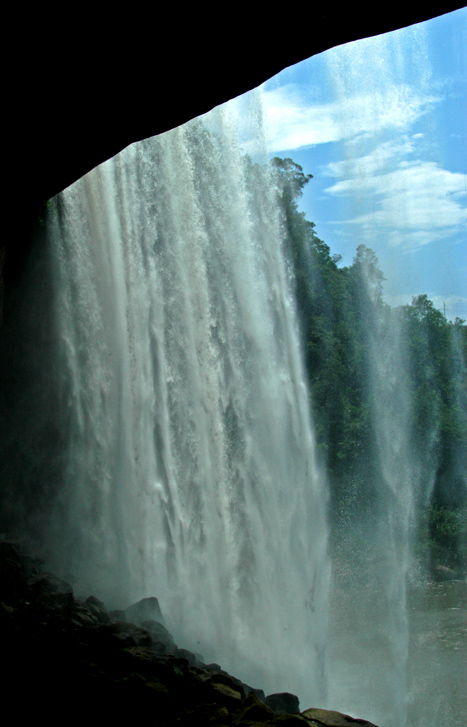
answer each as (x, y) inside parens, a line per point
(346, 326)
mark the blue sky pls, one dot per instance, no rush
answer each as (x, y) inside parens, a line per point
(381, 124)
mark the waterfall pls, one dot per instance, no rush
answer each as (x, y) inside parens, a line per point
(373, 633)
(186, 465)
(157, 438)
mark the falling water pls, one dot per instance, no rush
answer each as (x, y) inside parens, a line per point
(187, 465)
(371, 628)
(159, 440)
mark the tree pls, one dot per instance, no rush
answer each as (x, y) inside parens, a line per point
(337, 309)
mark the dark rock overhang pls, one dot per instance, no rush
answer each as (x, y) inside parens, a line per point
(78, 89)
(78, 92)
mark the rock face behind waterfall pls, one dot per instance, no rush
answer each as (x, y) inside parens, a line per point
(68, 656)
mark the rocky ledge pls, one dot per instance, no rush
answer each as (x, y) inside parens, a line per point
(70, 659)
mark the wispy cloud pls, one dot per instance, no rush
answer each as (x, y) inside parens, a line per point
(417, 201)
(385, 174)
(452, 305)
(292, 122)
(375, 162)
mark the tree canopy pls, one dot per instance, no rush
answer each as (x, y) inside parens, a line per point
(342, 317)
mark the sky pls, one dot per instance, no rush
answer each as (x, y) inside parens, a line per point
(381, 123)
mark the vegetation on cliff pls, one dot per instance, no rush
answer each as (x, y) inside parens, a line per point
(339, 309)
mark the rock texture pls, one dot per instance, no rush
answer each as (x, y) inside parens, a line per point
(66, 658)
(328, 718)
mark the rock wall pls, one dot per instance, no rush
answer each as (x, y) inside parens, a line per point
(69, 657)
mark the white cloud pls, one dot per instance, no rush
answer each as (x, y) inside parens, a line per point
(417, 202)
(397, 300)
(375, 162)
(292, 122)
(453, 304)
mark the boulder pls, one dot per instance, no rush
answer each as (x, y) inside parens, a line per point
(98, 609)
(328, 718)
(82, 615)
(146, 609)
(159, 633)
(188, 655)
(50, 588)
(229, 687)
(129, 634)
(288, 720)
(255, 710)
(283, 703)
(15, 568)
(116, 616)
(105, 668)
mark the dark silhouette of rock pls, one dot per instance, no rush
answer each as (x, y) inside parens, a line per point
(59, 651)
(78, 98)
(159, 633)
(283, 703)
(328, 718)
(147, 608)
(47, 586)
(117, 615)
(255, 710)
(188, 655)
(98, 609)
(84, 96)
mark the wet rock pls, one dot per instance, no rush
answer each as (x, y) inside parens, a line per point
(51, 590)
(227, 686)
(129, 634)
(283, 703)
(117, 616)
(288, 720)
(16, 567)
(82, 615)
(159, 648)
(327, 718)
(188, 655)
(253, 690)
(255, 710)
(98, 609)
(159, 632)
(210, 714)
(242, 686)
(144, 610)
(104, 665)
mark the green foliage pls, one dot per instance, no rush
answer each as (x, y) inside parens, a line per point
(290, 179)
(334, 307)
(446, 533)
